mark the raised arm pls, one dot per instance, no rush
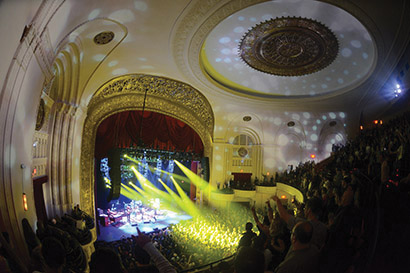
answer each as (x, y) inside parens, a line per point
(163, 265)
(270, 211)
(283, 213)
(261, 226)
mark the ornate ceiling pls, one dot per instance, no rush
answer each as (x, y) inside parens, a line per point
(287, 55)
(289, 48)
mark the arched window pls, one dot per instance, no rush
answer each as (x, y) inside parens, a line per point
(242, 146)
(243, 140)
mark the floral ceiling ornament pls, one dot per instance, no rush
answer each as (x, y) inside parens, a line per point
(289, 46)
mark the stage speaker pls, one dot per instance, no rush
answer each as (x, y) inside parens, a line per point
(114, 162)
(205, 168)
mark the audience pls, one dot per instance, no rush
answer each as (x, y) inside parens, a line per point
(303, 256)
(249, 259)
(326, 234)
(248, 236)
(106, 260)
(54, 255)
(312, 211)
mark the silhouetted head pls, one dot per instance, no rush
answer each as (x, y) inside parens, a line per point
(53, 252)
(302, 232)
(248, 226)
(105, 260)
(248, 260)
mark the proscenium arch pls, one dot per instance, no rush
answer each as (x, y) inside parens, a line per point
(125, 93)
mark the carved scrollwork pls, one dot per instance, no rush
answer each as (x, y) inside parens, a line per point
(125, 93)
(173, 91)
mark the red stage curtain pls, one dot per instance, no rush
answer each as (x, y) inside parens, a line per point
(158, 131)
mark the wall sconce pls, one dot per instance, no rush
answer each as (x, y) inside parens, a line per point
(25, 202)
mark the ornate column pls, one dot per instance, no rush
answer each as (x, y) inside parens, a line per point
(60, 160)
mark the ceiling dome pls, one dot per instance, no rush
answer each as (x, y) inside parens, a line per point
(288, 49)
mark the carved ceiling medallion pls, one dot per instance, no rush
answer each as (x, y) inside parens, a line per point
(289, 46)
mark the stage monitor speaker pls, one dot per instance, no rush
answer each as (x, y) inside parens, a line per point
(114, 162)
(205, 168)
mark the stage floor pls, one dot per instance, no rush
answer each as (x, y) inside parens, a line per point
(112, 233)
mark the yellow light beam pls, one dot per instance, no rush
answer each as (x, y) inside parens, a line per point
(129, 193)
(174, 196)
(185, 199)
(137, 193)
(153, 191)
(107, 181)
(187, 207)
(194, 178)
(144, 196)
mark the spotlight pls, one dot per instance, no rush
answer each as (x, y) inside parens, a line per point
(397, 91)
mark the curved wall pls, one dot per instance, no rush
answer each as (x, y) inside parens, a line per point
(258, 197)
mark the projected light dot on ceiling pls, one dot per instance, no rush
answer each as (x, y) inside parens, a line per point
(300, 69)
(289, 46)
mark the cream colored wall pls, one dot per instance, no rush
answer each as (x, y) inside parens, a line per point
(14, 15)
(20, 98)
(257, 197)
(279, 144)
(22, 73)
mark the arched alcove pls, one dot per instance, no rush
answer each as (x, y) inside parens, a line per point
(291, 138)
(332, 132)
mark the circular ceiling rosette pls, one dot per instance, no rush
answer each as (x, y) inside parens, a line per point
(289, 46)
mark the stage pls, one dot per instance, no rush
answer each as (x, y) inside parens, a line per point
(116, 231)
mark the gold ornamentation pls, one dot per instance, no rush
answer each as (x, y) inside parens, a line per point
(165, 96)
(197, 22)
(289, 46)
(40, 116)
(173, 91)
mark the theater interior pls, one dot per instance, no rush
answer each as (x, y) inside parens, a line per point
(148, 112)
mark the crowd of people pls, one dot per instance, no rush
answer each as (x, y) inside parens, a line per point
(190, 243)
(355, 203)
(352, 202)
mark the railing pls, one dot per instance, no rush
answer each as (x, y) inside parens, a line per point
(209, 266)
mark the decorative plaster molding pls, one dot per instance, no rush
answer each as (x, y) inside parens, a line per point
(166, 96)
